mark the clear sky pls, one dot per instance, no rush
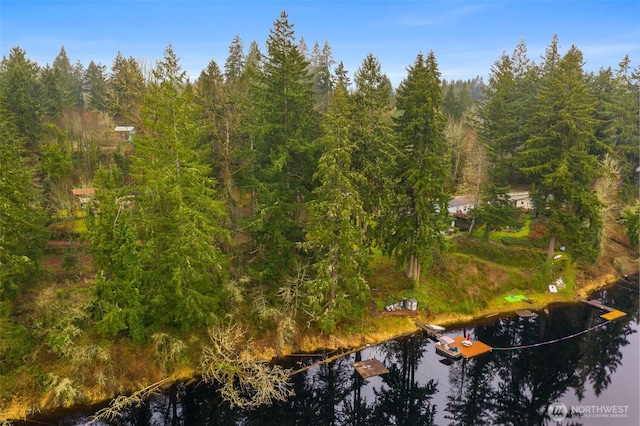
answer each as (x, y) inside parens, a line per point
(467, 37)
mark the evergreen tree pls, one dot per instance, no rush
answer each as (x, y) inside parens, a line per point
(333, 232)
(558, 155)
(172, 235)
(617, 113)
(243, 95)
(503, 123)
(235, 63)
(95, 86)
(503, 116)
(419, 213)
(213, 98)
(375, 152)
(49, 95)
(19, 89)
(285, 153)
(321, 63)
(22, 219)
(68, 79)
(125, 90)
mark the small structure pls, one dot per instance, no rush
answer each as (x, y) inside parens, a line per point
(520, 198)
(524, 313)
(125, 132)
(408, 304)
(411, 304)
(612, 313)
(460, 346)
(84, 195)
(370, 368)
(460, 206)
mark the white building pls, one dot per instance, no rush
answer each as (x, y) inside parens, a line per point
(461, 205)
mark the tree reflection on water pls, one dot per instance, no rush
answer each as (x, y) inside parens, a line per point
(506, 387)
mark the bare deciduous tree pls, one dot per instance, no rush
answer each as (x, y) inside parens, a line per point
(244, 381)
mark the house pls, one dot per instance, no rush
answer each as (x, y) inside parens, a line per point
(84, 195)
(461, 205)
(520, 198)
(125, 132)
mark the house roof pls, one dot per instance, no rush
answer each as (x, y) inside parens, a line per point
(83, 191)
(124, 129)
(461, 200)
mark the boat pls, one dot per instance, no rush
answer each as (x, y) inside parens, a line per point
(432, 331)
(445, 349)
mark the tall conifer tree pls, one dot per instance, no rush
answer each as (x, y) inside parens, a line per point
(285, 152)
(558, 155)
(333, 232)
(419, 214)
(175, 277)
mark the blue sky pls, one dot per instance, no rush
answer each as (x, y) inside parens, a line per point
(467, 37)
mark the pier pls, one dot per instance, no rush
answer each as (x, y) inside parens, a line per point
(477, 347)
(612, 313)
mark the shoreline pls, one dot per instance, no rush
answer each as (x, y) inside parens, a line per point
(315, 344)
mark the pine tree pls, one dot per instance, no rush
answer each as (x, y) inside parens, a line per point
(419, 213)
(504, 114)
(68, 79)
(213, 97)
(617, 113)
(320, 69)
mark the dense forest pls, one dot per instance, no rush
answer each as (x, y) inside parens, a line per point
(261, 191)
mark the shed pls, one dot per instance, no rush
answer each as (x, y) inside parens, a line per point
(84, 195)
(126, 132)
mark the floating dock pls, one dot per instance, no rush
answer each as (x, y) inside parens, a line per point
(477, 347)
(370, 368)
(524, 313)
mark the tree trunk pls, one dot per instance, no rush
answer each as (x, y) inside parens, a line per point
(487, 230)
(552, 245)
(413, 269)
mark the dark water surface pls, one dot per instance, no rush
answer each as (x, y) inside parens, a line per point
(591, 379)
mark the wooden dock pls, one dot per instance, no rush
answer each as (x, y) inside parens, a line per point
(612, 313)
(477, 348)
(431, 332)
(596, 304)
(370, 368)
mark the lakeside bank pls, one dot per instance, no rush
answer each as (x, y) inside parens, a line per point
(336, 346)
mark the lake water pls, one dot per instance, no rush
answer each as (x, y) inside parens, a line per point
(590, 379)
